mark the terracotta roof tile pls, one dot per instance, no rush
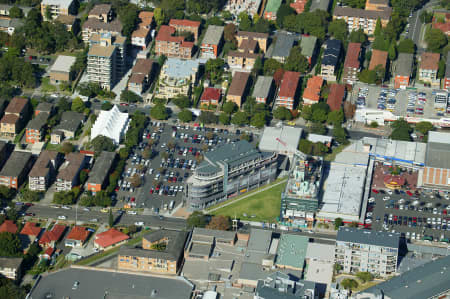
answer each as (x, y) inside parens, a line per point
(8, 226)
(336, 96)
(429, 61)
(30, 229)
(378, 58)
(312, 90)
(16, 105)
(79, 233)
(211, 94)
(110, 237)
(186, 23)
(289, 84)
(352, 58)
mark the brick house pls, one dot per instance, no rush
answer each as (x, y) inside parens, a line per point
(211, 96)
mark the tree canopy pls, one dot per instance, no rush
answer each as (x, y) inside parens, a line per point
(406, 46)
(296, 62)
(282, 113)
(159, 112)
(102, 143)
(185, 115)
(401, 130)
(435, 39)
(129, 96)
(10, 244)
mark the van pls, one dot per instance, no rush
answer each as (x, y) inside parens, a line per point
(172, 204)
(174, 134)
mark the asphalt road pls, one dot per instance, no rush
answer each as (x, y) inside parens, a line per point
(152, 221)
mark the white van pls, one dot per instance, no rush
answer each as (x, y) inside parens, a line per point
(171, 205)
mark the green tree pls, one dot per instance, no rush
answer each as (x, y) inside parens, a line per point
(83, 176)
(240, 118)
(336, 117)
(349, 284)
(102, 143)
(245, 23)
(182, 101)
(106, 106)
(270, 66)
(401, 130)
(338, 222)
(48, 13)
(6, 193)
(229, 107)
(214, 70)
(378, 28)
(318, 128)
(338, 29)
(262, 26)
(159, 16)
(224, 118)
(340, 134)
(130, 97)
(406, 46)
(358, 36)
(207, 117)
(159, 112)
(441, 70)
(365, 276)
(259, 120)
(185, 115)
(10, 244)
(284, 11)
(435, 39)
(67, 147)
(392, 52)
(282, 113)
(219, 222)
(78, 105)
(373, 124)
(15, 12)
(424, 127)
(426, 17)
(296, 61)
(319, 115)
(229, 33)
(111, 219)
(196, 219)
(306, 113)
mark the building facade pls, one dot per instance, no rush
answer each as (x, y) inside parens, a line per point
(98, 177)
(428, 68)
(10, 267)
(166, 43)
(403, 69)
(55, 8)
(330, 60)
(288, 90)
(44, 170)
(212, 42)
(362, 19)
(228, 171)
(177, 78)
(15, 170)
(69, 172)
(352, 63)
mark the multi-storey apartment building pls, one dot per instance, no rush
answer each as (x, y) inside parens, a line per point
(428, 68)
(68, 175)
(330, 59)
(235, 7)
(177, 77)
(263, 91)
(166, 43)
(227, 171)
(16, 115)
(186, 26)
(10, 267)
(377, 5)
(35, 129)
(212, 41)
(44, 170)
(260, 38)
(367, 251)
(403, 70)
(352, 63)
(243, 61)
(98, 177)
(141, 75)
(362, 19)
(238, 88)
(101, 12)
(161, 252)
(311, 94)
(106, 59)
(288, 90)
(55, 8)
(15, 170)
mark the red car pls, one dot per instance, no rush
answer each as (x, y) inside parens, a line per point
(375, 191)
(151, 191)
(133, 199)
(409, 193)
(29, 204)
(117, 189)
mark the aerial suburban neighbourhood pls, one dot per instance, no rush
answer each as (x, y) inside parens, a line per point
(225, 149)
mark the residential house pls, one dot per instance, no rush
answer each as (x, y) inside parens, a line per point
(441, 21)
(352, 63)
(50, 237)
(336, 96)
(69, 22)
(15, 170)
(35, 129)
(43, 107)
(161, 252)
(5, 8)
(16, 115)
(67, 127)
(69, 172)
(260, 38)
(366, 20)
(177, 77)
(77, 236)
(298, 6)
(311, 94)
(243, 61)
(60, 70)
(101, 12)
(109, 239)
(140, 38)
(308, 44)
(403, 70)
(141, 75)
(367, 251)
(146, 19)
(186, 26)
(283, 46)
(330, 60)
(212, 42)
(8, 226)
(428, 68)
(288, 90)
(29, 233)
(263, 90)
(211, 96)
(10, 267)
(98, 176)
(324, 139)
(44, 170)
(166, 43)
(10, 25)
(55, 8)
(379, 58)
(238, 88)
(270, 12)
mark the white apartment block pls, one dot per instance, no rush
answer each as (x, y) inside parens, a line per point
(56, 8)
(367, 251)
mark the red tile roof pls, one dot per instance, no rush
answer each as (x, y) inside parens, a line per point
(146, 18)
(165, 34)
(49, 251)
(312, 90)
(378, 58)
(8, 226)
(16, 105)
(30, 229)
(429, 61)
(9, 119)
(444, 27)
(110, 237)
(299, 6)
(336, 96)
(289, 84)
(79, 233)
(211, 94)
(186, 23)
(53, 235)
(351, 60)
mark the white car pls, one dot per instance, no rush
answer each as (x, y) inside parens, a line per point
(131, 212)
(389, 192)
(62, 217)
(386, 198)
(66, 207)
(86, 209)
(139, 223)
(372, 199)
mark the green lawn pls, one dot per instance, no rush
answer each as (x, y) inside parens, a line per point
(263, 206)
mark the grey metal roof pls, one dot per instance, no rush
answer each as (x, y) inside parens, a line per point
(319, 4)
(280, 139)
(283, 45)
(280, 286)
(308, 45)
(354, 235)
(425, 281)
(10, 262)
(15, 164)
(233, 154)
(101, 168)
(332, 52)
(173, 251)
(262, 87)
(404, 64)
(70, 121)
(438, 150)
(63, 64)
(412, 152)
(213, 35)
(291, 250)
(98, 283)
(38, 122)
(44, 107)
(217, 234)
(259, 240)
